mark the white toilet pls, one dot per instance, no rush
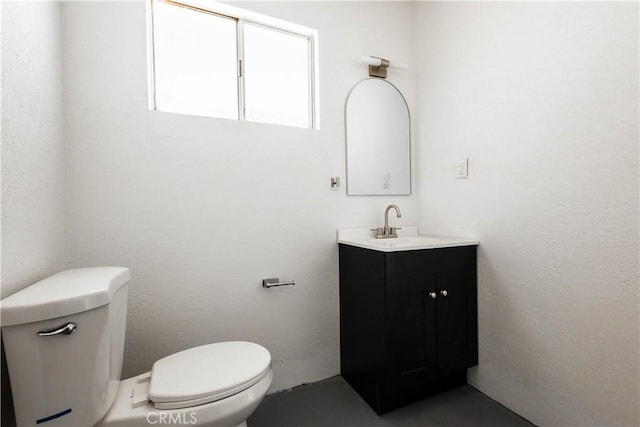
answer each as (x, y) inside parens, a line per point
(64, 341)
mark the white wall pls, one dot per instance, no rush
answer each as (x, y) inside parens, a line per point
(202, 209)
(543, 99)
(33, 238)
(33, 150)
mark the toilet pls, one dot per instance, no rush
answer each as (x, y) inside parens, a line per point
(64, 342)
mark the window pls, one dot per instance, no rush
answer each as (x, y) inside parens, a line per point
(211, 59)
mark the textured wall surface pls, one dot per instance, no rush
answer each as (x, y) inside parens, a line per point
(202, 209)
(543, 99)
(33, 169)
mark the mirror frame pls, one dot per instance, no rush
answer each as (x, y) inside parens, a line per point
(406, 105)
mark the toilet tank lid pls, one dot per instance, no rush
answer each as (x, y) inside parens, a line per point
(64, 293)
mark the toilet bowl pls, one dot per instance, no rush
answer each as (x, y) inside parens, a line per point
(64, 341)
(218, 384)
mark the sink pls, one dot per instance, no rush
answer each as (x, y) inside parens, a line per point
(408, 240)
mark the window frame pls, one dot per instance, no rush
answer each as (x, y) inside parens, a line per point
(241, 16)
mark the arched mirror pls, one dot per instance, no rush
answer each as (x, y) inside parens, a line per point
(378, 140)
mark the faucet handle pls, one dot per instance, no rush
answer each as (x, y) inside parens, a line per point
(392, 231)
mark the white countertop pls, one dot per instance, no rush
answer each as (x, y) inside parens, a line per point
(408, 240)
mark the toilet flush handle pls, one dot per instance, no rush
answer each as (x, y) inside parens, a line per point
(67, 329)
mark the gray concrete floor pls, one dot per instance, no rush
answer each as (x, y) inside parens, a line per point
(333, 403)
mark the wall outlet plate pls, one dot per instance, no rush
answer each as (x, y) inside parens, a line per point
(462, 168)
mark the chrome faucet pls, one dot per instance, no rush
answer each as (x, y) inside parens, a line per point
(388, 232)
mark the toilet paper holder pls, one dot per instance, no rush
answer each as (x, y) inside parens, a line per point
(275, 281)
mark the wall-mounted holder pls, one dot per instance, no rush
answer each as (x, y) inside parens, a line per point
(275, 281)
(335, 182)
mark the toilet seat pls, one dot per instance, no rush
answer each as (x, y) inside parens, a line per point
(207, 373)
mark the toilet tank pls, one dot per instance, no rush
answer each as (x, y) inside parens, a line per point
(64, 342)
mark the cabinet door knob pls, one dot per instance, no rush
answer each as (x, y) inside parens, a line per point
(443, 293)
(433, 295)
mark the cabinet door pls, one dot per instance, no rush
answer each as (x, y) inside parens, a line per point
(452, 320)
(411, 330)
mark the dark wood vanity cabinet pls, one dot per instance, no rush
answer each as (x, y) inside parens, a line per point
(408, 322)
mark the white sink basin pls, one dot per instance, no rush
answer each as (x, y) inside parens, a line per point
(408, 240)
